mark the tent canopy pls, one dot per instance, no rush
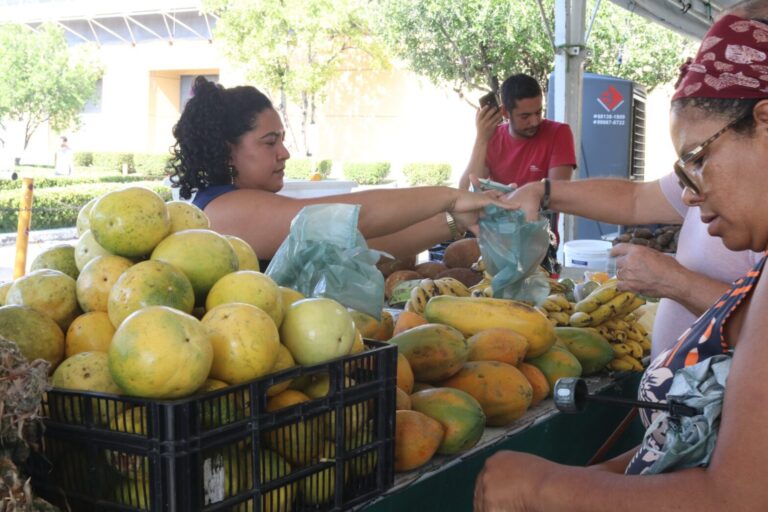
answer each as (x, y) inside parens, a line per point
(691, 18)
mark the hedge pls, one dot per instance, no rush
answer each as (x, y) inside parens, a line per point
(301, 168)
(366, 173)
(425, 173)
(58, 207)
(150, 164)
(68, 181)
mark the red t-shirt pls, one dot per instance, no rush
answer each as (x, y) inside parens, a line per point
(520, 160)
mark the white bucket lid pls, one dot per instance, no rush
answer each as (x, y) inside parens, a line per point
(591, 247)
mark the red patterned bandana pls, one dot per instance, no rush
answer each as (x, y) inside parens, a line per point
(732, 62)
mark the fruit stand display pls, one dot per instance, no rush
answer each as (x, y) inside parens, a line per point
(185, 379)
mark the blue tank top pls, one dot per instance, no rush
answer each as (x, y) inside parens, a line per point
(704, 339)
(208, 194)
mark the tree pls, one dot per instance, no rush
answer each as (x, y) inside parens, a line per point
(293, 47)
(474, 44)
(42, 79)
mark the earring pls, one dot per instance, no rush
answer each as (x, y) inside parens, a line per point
(231, 171)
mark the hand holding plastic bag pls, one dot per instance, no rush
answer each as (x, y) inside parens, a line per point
(325, 255)
(512, 251)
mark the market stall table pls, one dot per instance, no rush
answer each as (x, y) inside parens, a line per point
(447, 483)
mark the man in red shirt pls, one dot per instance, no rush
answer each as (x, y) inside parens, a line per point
(525, 147)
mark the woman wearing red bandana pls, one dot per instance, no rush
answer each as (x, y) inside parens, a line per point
(719, 126)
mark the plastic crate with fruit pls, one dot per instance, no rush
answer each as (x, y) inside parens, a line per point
(240, 448)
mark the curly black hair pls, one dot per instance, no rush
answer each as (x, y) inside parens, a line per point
(214, 118)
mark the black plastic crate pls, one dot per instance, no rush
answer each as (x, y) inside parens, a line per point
(223, 450)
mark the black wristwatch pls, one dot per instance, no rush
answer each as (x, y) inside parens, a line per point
(544, 204)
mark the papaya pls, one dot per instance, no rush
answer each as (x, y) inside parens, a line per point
(404, 374)
(402, 400)
(434, 351)
(421, 386)
(458, 412)
(497, 344)
(501, 389)
(592, 350)
(557, 363)
(366, 324)
(386, 327)
(408, 320)
(417, 438)
(471, 315)
(538, 381)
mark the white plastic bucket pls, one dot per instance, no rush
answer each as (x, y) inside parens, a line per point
(587, 254)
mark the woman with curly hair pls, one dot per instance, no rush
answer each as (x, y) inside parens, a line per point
(229, 151)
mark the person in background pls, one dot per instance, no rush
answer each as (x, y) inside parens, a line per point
(230, 153)
(64, 158)
(719, 127)
(525, 147)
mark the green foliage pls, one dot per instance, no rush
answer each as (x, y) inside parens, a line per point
(366, 173)
(83, 159)
(476, 44)
(150, 164)
(298, 168)
(468, 45)
(427, 173)
(301, 168)
(68, 181)
(113, 161)
(631, 47)
(293, 48)
(58, 207)
(324, 167)
(43, 79)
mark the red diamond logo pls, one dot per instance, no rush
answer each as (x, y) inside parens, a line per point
(611, 99)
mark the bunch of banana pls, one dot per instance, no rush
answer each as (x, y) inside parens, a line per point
(479, 265)
(429, 288)
(557, 308)
(483, 288)
(603, 304)
(629, 340)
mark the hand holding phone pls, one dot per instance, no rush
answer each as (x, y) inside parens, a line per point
(489, 99)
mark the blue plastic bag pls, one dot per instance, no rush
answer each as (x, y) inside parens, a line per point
(325, 255)
(512, 251)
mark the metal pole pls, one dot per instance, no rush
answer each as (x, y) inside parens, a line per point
(22, 234)
(570, 52)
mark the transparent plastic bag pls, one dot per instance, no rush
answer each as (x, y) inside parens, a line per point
(512, 251)
(325, 255)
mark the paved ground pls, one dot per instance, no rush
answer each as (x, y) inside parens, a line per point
(38, 242)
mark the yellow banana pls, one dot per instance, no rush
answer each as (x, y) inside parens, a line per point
(636, 365)
(637, 349)
(561, 318)
(635, 335)
(479, 265)
(581, 319)
(621, 365)
(632, 305)
(617, 335)
(429, 287)
(560, 300)
(646, 344)
(620, 349)
(551, 305)
(598, 297)
(451, 286)
(617, 324)
(418, 300)
(610, 308)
